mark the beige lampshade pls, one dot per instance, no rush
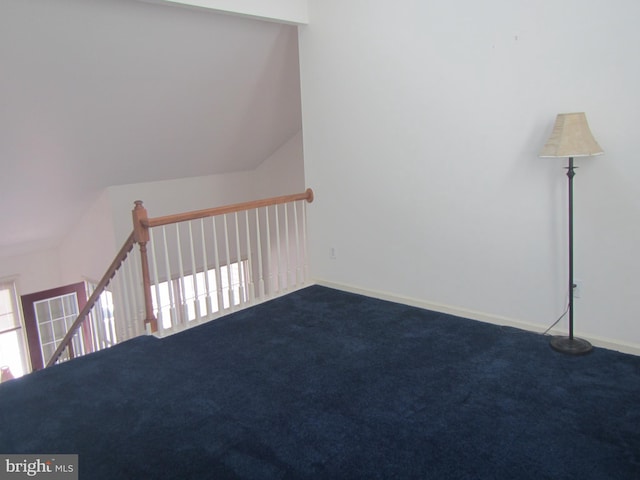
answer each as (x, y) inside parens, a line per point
(571, 137)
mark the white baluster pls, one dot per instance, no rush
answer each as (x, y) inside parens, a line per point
(216, 251)
(305, 254)
(226, 243)
(287, 234)
(278, 252)
(241, 290)
(172, 301)
(194, 273)
(298, 272)
(183, 305)
(271, 284)
(249, 270)
(205, 264)
(259, 250)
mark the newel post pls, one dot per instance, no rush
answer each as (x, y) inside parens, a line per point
(141, 237)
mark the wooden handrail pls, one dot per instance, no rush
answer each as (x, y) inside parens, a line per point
(238, 207)
(104, 282)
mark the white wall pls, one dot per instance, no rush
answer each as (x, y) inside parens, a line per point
(422, 124)
(280, 174)
(33, 272)
(283, 172)
(176, 196)
(287, 11)
(89, 248)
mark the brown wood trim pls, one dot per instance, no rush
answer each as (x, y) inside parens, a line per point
(102, 284)
(31, 324)
(238, 207)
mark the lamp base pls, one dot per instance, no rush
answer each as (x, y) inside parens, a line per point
(570, 346)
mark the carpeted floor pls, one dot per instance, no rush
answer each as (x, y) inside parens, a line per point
(327, 384)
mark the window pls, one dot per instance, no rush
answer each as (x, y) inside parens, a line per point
(193, 296)
(12, 345)
(55, 316)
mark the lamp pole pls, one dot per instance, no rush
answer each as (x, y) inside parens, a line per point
(570, 174)
(570, 344)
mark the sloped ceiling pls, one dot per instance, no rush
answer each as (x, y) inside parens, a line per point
(96, 93)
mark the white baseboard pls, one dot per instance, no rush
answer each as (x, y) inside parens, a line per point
(607, 343)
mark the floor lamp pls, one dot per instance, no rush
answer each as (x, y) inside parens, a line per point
(571, 138)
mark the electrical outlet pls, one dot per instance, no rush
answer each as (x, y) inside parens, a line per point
(332, 253)
(577, 288)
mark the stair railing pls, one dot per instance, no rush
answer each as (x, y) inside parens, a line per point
(210, 262)
(194, 267)
(117, 262)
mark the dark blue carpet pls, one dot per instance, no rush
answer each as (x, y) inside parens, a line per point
(327, 384)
